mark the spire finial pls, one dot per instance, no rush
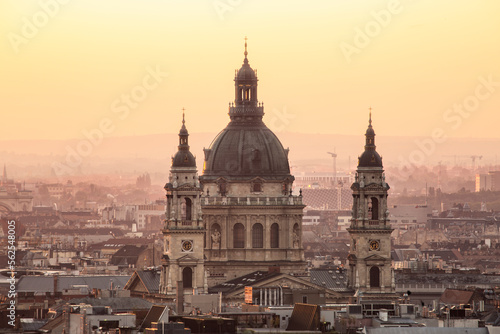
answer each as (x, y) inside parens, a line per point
(370, 121)
(183, 115)
(246, 52)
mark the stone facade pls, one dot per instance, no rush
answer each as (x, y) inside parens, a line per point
(370, 266)
(184, 232)
(252, 219)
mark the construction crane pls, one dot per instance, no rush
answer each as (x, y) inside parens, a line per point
(334, 156)
(473, 157)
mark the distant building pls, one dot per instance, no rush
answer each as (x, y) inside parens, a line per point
(14, 197)
(327, 199)
(322, 180)
(146, 213)
(490, 181)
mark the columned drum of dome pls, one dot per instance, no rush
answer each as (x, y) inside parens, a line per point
(252, 219)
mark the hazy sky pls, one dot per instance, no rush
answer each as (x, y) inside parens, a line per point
(70, 66)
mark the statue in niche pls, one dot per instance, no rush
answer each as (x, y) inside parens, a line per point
(215, 239)
(296, 239)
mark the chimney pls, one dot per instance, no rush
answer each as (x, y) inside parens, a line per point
(180, 297)
(56, 281)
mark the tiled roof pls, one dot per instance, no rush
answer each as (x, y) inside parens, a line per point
(126, 255)
(83, 231)
(452, 296)
(52, 324)
(333, 279)
(246, 280)
(151, 280)
(153, 315)
(118, 304)
(405, 254)
(30, 325)
(42, 284)
(445, 254)
(114, 243)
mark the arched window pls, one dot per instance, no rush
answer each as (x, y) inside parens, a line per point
(187, 278)
(374, 206)
(374, 277)
(186, 209)
(275, 236)
(257, 236)
(238, 236)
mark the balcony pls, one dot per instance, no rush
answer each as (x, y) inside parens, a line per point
(252, 201)
(183, 224)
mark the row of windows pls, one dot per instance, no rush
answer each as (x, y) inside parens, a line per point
(257, 235)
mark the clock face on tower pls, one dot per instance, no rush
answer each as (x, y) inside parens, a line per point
(374, 245)
(187, 245)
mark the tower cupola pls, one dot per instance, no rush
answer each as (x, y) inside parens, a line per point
(183, 157)
(370, 157)
(245, 106)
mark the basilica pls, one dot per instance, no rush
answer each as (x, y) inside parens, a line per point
(240, 217)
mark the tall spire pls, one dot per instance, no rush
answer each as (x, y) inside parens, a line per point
(183, 157)
(183, 133)
(4, 176)
(370, 157)
(246, 52)
(370, 133)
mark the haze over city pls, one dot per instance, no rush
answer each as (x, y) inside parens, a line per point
(167, 159)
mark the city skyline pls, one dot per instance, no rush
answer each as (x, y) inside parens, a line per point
(426, 69)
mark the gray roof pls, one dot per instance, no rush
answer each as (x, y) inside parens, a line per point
(333, 279)
(29, 324)
(42, 284)
(151, 279)
(117, 304)
(426, 330)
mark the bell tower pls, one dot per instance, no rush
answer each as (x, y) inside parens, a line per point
(370, 272)
(183, 232)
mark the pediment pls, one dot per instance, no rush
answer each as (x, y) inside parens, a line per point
(186, 186)
(285, 280)
(188, 258)
(375, 257)
(258, 179)
(374, 186)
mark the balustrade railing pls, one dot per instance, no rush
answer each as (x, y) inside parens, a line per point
(280, 200)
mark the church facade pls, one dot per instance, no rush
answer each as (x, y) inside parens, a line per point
(241, 217)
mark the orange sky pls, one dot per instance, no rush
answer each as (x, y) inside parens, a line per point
(66, 65)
